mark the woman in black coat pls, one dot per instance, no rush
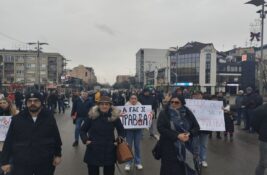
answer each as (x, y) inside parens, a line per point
(170, 135)
(97, 133)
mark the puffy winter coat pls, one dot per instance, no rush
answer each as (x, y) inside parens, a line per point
(99, 129)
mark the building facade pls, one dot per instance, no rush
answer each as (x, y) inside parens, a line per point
(148, 60)
(122, 78)
(21, 66)
(86, 74)
(236, 70)
(195, 63)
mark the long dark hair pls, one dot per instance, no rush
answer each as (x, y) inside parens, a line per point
(180, 97)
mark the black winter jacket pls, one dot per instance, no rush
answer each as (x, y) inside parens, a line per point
(259, 122)
(81, 108)
(149, 100)
(32, 143)
(99, 129)
(169, 136)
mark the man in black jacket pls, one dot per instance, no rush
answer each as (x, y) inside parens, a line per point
(147, 99)
(33, 140)
(259, 123)
(251, 102)
(79, 113)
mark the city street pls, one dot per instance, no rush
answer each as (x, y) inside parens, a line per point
(224, 157)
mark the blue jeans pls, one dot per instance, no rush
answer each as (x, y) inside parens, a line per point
(61, 106)
(78, 125)
(135, 135)
(203, 143)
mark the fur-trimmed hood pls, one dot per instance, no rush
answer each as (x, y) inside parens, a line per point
(94, 113)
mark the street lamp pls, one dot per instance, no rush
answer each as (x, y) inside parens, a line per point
(38, 61)
(262, 16)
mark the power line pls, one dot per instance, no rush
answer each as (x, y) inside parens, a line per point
(11, 38)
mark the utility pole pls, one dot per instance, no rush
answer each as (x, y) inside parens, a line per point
(262, 15)
(261, 65)
(38, 61)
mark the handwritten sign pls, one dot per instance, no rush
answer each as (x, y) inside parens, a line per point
(208, 113)
(136, 117)
(4, 125)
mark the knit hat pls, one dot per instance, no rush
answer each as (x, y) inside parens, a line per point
(105, 99)
(34, 94)
(146, 90)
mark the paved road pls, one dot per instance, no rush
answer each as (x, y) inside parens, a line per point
(225, 158)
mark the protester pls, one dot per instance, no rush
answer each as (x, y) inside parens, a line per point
(229, 122)
(18, 100)
(134, 136)
(156, 104)
(97, 133)
(259, 123)
(118, 99)
(61, 106)
(177, 127)
(33, 140)
(75, 96)
(147, 99)
(239, 106)
(186, 94)
(160, 98)
(178, 91)
(6, 109)
(203, 137)
(251, 102)
(220, 97)
(2, 94)
(52, 101)
(79, 113)
(97, 96)
(91, 97)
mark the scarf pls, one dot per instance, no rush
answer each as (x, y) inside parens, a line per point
(184, 150)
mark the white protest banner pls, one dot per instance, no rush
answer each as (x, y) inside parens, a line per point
(208, 113)
(136, 117)
(4, 125)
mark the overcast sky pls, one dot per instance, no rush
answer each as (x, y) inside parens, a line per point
(106, 34)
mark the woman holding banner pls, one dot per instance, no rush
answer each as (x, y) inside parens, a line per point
(6, 109)
(134, 136)
(177, 127)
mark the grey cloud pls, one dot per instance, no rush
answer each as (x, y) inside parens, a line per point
(106, 29)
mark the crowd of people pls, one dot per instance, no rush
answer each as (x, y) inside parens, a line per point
(33, 143)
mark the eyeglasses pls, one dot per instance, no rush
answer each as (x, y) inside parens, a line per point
(175, 102)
